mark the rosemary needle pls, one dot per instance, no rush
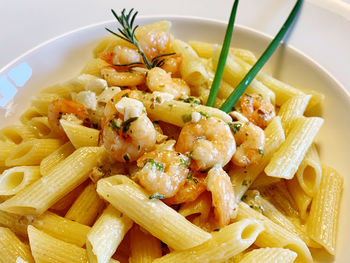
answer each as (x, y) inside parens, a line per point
(223, 55)
(237, 93)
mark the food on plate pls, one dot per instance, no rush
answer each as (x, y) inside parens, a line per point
(126, 163)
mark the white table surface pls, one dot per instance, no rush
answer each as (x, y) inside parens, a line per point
(25, 24)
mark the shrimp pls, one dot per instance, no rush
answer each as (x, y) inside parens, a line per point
(250, 141)
(189, 192)
(159, 80)
(209, 141)
(163, 172)
(172, 65)
(65, 109)
(154, 43)
(126, 139)
(126, 78)
(223, 198)
(257, 110)
(125, 55)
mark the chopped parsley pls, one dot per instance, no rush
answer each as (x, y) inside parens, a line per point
(113, 124)
(171, 105)
(186, 118)
(184, 162)
(159, 166)
(235, 127)
(190, 177)
(126, 124)
(191, 100)
(261, 151)
(156, 196)
(204, 114)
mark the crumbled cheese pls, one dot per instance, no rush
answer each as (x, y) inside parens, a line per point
(80, 81)
(108, 94)
(196, 116)
(238, 116)
(160, 97)
(130, 108)
(96, 85)
(88, 99)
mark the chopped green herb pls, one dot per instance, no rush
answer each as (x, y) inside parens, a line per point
(191, 100)
(156, 196)
(204, 114)
(126, 157)
(158, 100)
(235, 126)
(261, 151)
(190, 176)
(126, 124)
(186, 118)
(171, 105)
(113, 124)
(159, 166)
(184, 162)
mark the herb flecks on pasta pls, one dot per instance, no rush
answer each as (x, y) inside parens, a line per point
(122, 149)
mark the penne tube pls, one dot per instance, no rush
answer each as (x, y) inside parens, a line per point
(47, 249)
(86, 207)
(275, 235)
(309, 172)
(106, 235)
(302, 200)
(42, 101)
(225, 243)
(17, 178)
(269, 255)
(156, 217)
(42, 127)
(17, 133)
(254, 200)
(15, 222)
(263, 180)
(39, 196)
(79, 135)
(205, 50)
(192, 69)
(323, 219)
(292, 109)
(177, 112)
(144, 248)
(242, 178)
(29, 114)
(234, 73)
(286, 160)
(11, 247)
(5, 149)
(55, 158)
(32, 152)
(62, 228)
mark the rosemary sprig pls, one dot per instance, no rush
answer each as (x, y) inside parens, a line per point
(128, 31)
(237, 93)
(223, 55)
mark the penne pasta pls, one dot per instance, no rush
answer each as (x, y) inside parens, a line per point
(11, 248)
(287, 159)
(144, 248)
(32, 152)
(42, 194)
(226, 243)
(42, 127)
(17, 133)
(302, 200)
(323, 219)
(17, 178)
(86, 207)
(106, 235)
(156, 217)
(269, 255)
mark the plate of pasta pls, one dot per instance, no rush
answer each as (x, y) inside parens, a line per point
(109, 154)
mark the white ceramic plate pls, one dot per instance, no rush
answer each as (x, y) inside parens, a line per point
(62, 58)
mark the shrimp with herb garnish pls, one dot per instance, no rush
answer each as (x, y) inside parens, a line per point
(127, 131)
